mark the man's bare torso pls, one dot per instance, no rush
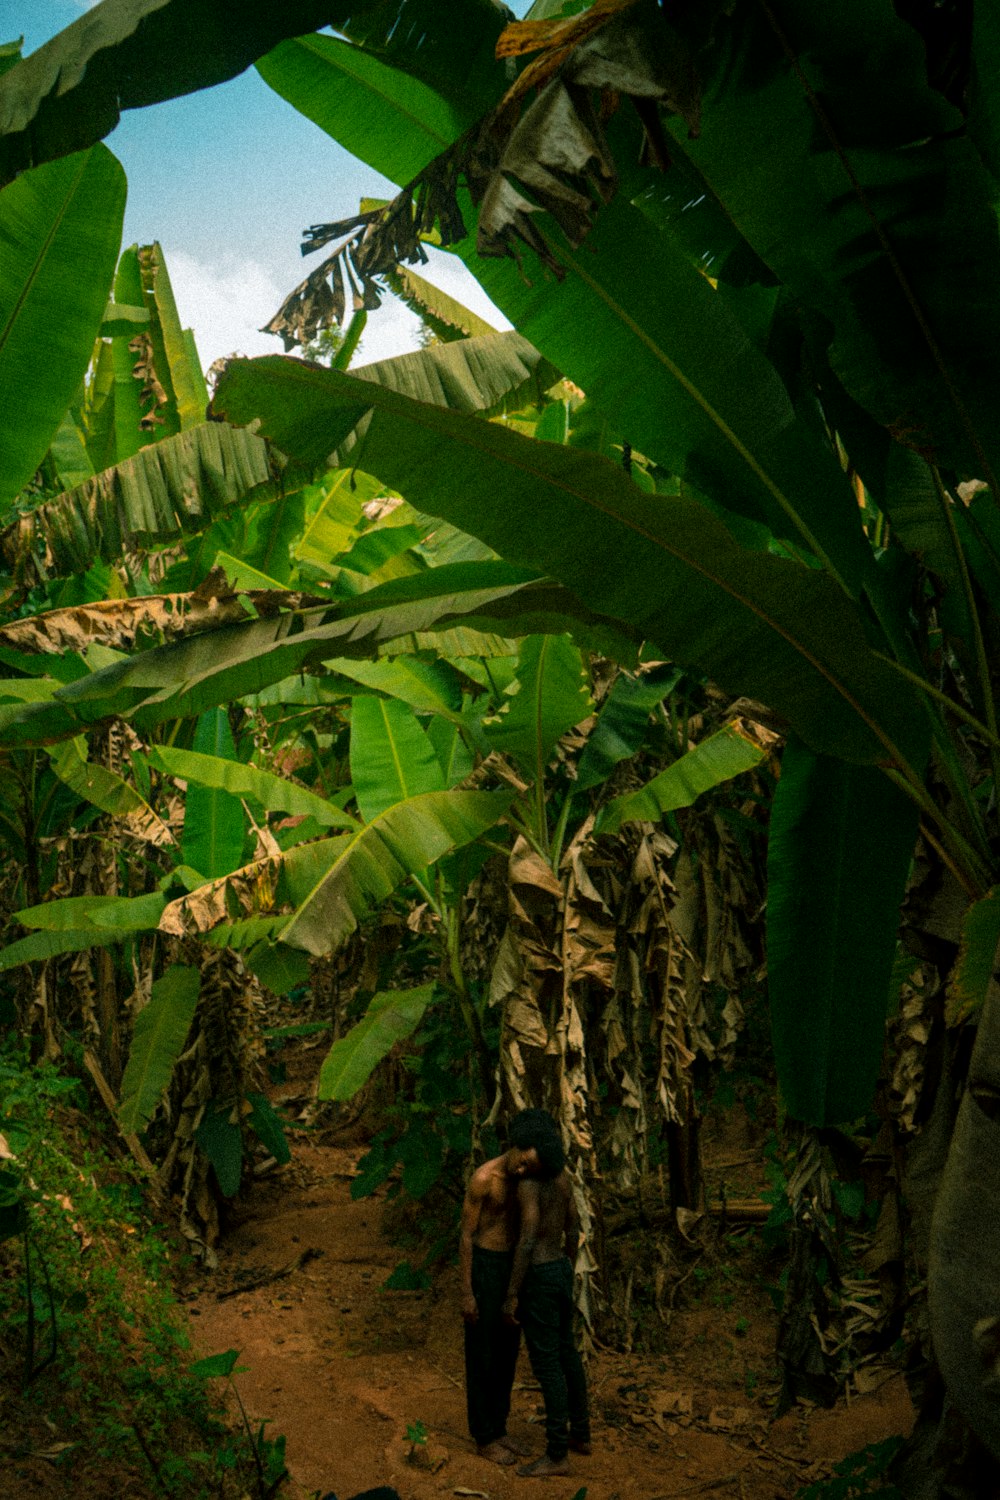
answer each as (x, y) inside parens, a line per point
(496, 1192)
(556, 1215)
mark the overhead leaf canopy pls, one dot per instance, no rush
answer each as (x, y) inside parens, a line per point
(783, 633)
(125, 54)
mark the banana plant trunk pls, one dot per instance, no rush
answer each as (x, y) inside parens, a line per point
(964, 1269)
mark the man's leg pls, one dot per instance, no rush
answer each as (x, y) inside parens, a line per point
(491, 1355)
(541, 1296)
(572, 1366)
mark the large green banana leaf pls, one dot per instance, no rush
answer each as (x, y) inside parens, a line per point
(774, 629)
(548, 696)
(214, 821)
(348, 92)
(392, 758)
(201, 671)
(447, 318)
(60, 230)
(391, 1017)
(128, 53)
(839, 851)
(851, 202)
(158, 1038)
(333, 883)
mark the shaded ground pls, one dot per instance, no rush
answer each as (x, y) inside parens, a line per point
(343, 1368)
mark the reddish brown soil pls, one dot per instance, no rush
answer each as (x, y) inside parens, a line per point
(343, 1367)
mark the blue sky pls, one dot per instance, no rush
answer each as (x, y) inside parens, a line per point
(226, 179)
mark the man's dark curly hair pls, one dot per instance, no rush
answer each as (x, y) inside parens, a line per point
(535, 1129)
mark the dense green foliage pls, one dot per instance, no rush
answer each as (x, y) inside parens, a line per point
(761, 240)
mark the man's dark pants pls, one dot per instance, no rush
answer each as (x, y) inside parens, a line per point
(491, 1347)
(546, 1313)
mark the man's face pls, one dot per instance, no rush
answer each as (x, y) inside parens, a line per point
(524, 1163)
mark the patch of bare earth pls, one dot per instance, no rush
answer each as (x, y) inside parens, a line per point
(343, 1368)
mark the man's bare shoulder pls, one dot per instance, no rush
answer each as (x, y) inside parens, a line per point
(483, 1176)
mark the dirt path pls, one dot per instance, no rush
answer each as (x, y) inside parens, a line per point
(343, 1367)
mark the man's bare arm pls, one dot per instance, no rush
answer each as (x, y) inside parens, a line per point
(527, 1200)
(471, 1211)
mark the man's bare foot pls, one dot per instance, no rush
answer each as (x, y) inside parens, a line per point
(579, 1445)
(515, 1446)
(543, 1467)
(497, 1453)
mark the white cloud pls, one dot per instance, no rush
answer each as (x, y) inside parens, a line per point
(227, 302)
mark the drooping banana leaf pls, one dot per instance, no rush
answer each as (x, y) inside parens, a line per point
(447, 318)
(841, 840)
(60, 229)
(163, 491)
(273, 793)
(108, 791)
(158, 1039)
(717, 759)
(233, 661)
(685, 383)
(490, 373)
(391, 1017)
(778, 631)
(333, 883)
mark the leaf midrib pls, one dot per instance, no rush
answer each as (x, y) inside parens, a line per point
(43, 253)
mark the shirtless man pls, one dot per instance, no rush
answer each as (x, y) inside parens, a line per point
(540, 1296)
(486, 1252)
